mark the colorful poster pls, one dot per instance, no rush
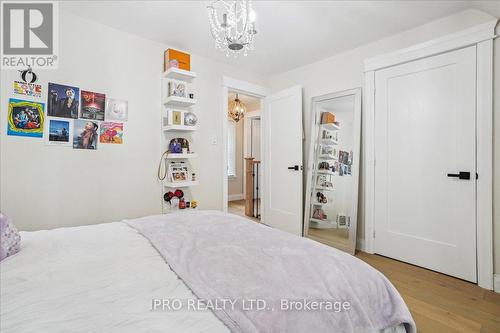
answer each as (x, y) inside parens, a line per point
(116, 110)
(85, 134)
(59, 132)
(111, 133)
(92, 105)
(28, 89)
(25, 118)
(63, 101)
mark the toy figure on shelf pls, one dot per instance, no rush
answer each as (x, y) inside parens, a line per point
(321, 198)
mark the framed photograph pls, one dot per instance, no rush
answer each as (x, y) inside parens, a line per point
(25, 118)
(177, 117)
(178, 172)
(93, 105)
(116, 110)
(59, 132)
(85, 134)
(63, 101)
(177, 89)
(111, 132)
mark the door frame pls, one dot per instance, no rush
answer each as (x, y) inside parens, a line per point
(242, 87)
(482, 37)
(247, 140)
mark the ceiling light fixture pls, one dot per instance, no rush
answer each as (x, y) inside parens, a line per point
(232, 24)
(237, 109)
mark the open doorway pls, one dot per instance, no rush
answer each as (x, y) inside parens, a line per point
(243, 154)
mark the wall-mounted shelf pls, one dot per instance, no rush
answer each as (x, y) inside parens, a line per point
(179, 101)
(330, 127)
(179, 128)
(328, 157)
(180, 184)
(322, 188)
(180, 156)
(179, 74)
(329, 142)
(324, 222)
(325, 172)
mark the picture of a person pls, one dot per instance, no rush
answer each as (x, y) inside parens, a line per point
(68, 106)
(88, 138)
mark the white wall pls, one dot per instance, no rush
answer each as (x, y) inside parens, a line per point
(46, 187)
(345, 71)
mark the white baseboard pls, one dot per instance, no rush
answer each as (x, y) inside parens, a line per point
(360, 245)
(234, 197)
(496, 283)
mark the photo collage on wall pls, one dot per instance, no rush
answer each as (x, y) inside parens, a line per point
(70, 117)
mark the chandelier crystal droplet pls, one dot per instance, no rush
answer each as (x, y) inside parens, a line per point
(232, 24)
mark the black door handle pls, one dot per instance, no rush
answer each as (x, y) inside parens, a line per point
(295, 167)
(460, 175)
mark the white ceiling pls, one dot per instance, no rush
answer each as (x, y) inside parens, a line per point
(290, 33)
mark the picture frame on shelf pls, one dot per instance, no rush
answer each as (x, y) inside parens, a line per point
(178, 172)
(178, 89)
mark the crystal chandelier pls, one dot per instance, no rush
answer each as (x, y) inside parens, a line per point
(237, 109)
(232, 24)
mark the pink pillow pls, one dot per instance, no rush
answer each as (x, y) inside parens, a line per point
(10, 241)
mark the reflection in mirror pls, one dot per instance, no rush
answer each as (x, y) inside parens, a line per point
(333, 170)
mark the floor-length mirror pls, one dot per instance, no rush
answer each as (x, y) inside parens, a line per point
(333, 170)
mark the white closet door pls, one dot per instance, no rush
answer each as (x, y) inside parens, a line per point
(425, 130)
(282, 162)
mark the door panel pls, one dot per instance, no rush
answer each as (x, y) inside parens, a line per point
(282, 148)
(425, 129)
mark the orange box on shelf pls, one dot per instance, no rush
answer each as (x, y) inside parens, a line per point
(174, 58)
(327, 118)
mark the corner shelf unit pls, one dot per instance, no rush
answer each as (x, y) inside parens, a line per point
(170, 131)
(325, 151)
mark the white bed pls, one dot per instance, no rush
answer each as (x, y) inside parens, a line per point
(98, 278)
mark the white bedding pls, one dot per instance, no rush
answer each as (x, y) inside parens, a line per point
(99, 278)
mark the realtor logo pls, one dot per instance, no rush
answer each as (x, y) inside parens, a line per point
(29, 34)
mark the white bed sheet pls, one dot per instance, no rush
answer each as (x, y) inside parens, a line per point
(99, 278)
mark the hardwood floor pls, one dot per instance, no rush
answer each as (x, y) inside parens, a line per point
(440, 303)
(237, 207)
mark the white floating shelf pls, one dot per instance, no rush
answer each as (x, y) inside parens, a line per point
(179, 101)
(328, 157)
(179, 128)
(319, 204)
(332, 223)
(180, 184)
(324, 188)
(325, 172)
(329, 142)
(330, 127)
(173, 156)
(179, 74)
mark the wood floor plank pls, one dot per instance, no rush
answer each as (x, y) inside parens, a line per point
(440, 303)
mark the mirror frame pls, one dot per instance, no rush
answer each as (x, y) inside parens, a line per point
(356, 92)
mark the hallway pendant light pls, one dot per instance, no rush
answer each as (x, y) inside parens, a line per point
(237, 109)
(232, 24)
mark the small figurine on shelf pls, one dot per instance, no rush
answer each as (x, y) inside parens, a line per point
(321, 198)
(193, 177)
(194, 204)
